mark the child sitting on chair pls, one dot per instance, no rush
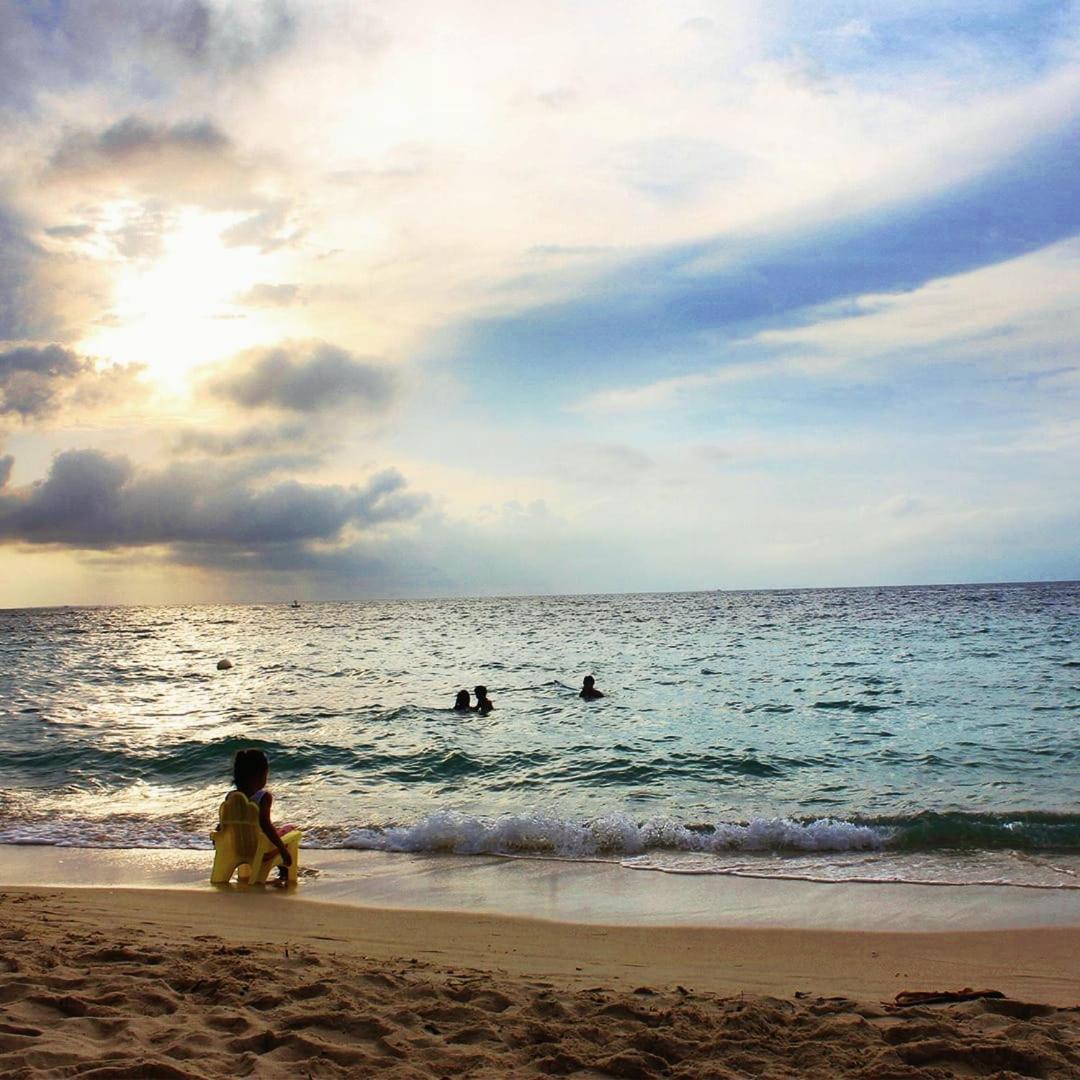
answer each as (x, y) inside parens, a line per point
(251, 770)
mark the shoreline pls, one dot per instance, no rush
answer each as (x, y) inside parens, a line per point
(576, 892)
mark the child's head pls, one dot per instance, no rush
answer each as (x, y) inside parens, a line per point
(250, 769)
(462, 700)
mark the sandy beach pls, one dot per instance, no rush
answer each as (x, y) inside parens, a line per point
(183, 983)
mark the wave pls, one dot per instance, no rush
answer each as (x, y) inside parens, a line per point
(619, 834)
(610, 836)
(31, 763)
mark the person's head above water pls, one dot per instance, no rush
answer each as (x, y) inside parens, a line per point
(461, 702)
(588, 689)
(250, 770)
(480, 691)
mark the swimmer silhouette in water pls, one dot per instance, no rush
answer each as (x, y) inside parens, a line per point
(483, 702)
(588, 689)
(461, 702)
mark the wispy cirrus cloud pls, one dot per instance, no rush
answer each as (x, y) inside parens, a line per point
(1011, 317)
(671, 310)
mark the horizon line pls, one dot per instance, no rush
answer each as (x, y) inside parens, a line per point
(548, 596)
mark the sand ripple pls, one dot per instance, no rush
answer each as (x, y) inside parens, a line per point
(141, 1002)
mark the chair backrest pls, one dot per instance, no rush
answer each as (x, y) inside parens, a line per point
(240, 816)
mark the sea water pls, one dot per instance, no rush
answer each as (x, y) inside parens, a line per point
(881, 734)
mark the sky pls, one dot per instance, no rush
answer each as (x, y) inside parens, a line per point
(308, 299)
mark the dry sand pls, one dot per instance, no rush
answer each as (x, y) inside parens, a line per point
(174, 983)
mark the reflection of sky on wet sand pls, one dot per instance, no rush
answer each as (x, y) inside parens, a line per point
(581, 892)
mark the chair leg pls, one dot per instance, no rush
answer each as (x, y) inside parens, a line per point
(222, 870)
(260, 869)
(294, 866)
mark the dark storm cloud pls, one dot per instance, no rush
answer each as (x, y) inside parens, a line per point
(305, 379)
(91, 500)
(32, 377)
(132, 141)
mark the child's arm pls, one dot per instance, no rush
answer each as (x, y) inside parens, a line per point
(268, 828)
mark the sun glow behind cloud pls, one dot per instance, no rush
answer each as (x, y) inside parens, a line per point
(175, 311)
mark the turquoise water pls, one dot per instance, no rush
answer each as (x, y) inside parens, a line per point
(876, 733)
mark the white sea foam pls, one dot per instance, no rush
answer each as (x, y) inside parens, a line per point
(610, 836)
(825, 850)
(75, 833)
(613, 834)
(986, 868)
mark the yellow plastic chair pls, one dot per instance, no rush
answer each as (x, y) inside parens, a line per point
(241, 847)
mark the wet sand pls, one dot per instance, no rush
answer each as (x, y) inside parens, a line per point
(602, 893)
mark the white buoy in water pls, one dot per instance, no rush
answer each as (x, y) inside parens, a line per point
(224, 665)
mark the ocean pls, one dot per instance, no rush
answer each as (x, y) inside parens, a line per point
(924, 734)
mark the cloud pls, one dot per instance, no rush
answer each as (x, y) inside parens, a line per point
(252, 440)
(142, 233)
(266, 295)
(91, 500)
(6, 463)
(671, 309)
(189, 161)
(733, 209)
(132, 141)
(602, 464)
(1021, 308)
(305, 379)
(36, 381)
(147, 45)
(266, 230)
(1017, 316)
(70, 232)
(31, 378)
(42, 294)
